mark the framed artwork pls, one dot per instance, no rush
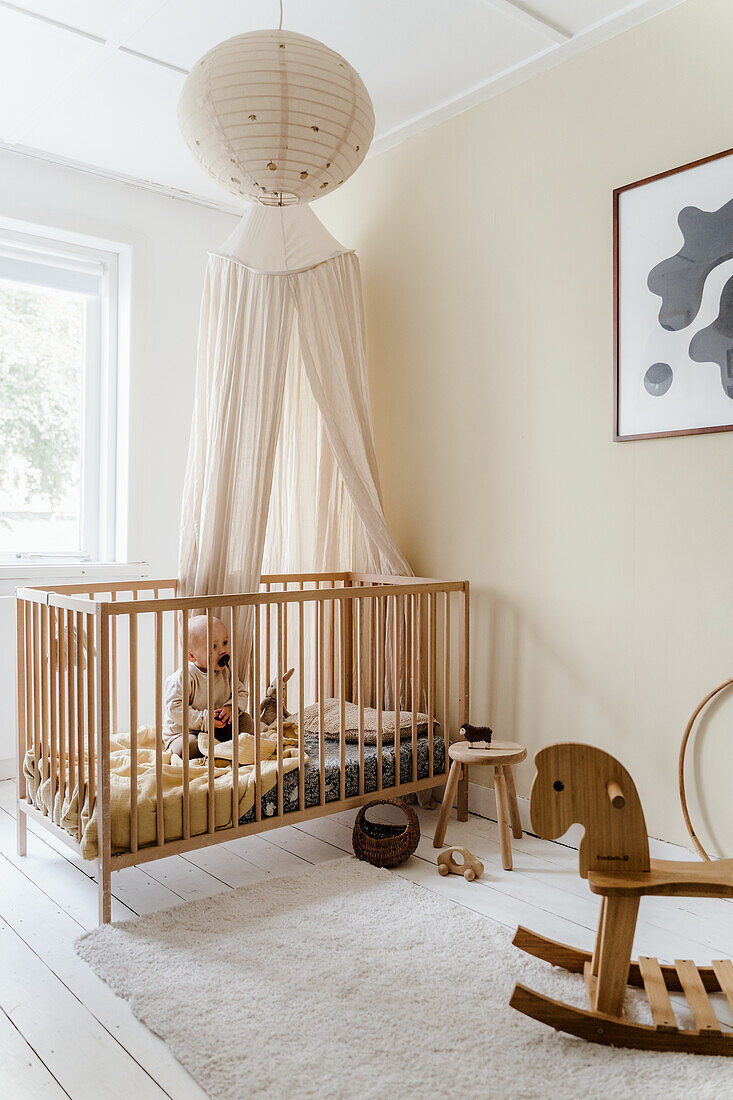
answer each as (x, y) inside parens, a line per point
(673, 302)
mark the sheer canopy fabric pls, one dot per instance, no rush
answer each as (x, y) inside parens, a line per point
(282, 471)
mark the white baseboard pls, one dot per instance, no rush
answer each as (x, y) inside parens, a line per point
(7, 768)
(482, 801)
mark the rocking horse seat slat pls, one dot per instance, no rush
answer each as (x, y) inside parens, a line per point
(723, 969)
(657, 994)
(668, 878)
(698, 1000)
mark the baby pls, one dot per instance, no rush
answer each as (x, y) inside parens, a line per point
(198, 697)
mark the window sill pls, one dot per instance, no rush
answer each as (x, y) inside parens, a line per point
(26, 575)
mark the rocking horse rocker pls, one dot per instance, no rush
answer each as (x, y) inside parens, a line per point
(584, 785)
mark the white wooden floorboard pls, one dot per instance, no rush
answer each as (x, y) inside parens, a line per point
(184, 878)
(229, 868)
(23, 1073)
(82, 1056)
(260, 852)
(50, 896)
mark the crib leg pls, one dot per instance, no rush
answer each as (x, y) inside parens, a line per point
(104, 890)
(21, 831)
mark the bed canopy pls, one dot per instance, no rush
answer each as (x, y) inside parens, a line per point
(282, 473)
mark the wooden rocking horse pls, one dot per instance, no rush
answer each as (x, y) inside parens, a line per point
(584, 785)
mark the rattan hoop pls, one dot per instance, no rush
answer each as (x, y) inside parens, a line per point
(385, 845)
(683, 752)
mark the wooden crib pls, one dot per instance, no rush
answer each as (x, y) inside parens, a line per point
(92, 662)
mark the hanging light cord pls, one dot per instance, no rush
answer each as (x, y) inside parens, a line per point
(281, 16)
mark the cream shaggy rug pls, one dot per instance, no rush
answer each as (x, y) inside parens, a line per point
(350, 982)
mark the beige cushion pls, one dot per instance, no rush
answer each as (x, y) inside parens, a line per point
(332, 722)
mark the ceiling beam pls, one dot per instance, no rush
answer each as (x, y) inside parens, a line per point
(49, 22)
(530, 19)
(88, 35)
(141, 13)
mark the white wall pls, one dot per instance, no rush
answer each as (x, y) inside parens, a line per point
(601, 607)
(169, 239)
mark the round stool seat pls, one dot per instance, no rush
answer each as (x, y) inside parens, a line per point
(501, 754)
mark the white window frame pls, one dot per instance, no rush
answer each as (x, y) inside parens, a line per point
(69, 261)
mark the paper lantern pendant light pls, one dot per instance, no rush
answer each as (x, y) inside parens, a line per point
(276, 117)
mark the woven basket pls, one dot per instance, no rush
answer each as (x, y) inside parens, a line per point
(385, 845)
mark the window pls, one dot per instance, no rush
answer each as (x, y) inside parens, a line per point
(58, 401)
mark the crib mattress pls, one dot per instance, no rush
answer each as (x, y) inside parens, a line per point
(66, 813)
(332, 754)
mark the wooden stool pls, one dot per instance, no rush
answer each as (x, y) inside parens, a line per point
(501, 756)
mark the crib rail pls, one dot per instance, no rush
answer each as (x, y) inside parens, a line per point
(92, 667)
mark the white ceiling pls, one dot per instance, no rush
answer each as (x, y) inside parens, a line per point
(96, 82)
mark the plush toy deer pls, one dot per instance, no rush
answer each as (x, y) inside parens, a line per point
(268, 706)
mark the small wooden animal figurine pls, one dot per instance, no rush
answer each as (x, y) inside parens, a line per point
(478, 737)
(470, 867)
(268, 706)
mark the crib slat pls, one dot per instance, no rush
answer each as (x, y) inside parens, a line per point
(406, 652)
(52, 710)
(113, 665)
(61, 674)
(21, 697)
(332, 645)
(256, 709)
(70, 698)
(36, 646)
(268, 640)
(29, 694)
(233, 659)
(360, 694)
(446, 681)
(380, 700)
(284, 607)
(414, 647)
(301, 706)
(91, 713)
(431, 678)
(159, 812)
(43, 650)
(396, 686)
(280, 703)
(185, 692)
(210, 714)
(80, 720)
(342, 698)
(317, 631)
(133, 731)
(320, 694)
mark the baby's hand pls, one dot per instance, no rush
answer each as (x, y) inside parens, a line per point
(222, 717)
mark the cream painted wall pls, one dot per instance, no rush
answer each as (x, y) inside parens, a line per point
(169, 239)
(601, 598)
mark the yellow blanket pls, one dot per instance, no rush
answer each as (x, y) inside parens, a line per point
(66, 813)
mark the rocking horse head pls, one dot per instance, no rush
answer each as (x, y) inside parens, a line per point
(580, 784)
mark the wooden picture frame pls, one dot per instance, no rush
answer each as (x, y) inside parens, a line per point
(652, 218)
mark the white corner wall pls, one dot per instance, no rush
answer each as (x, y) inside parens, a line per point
(600, 571)
(169, 239)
